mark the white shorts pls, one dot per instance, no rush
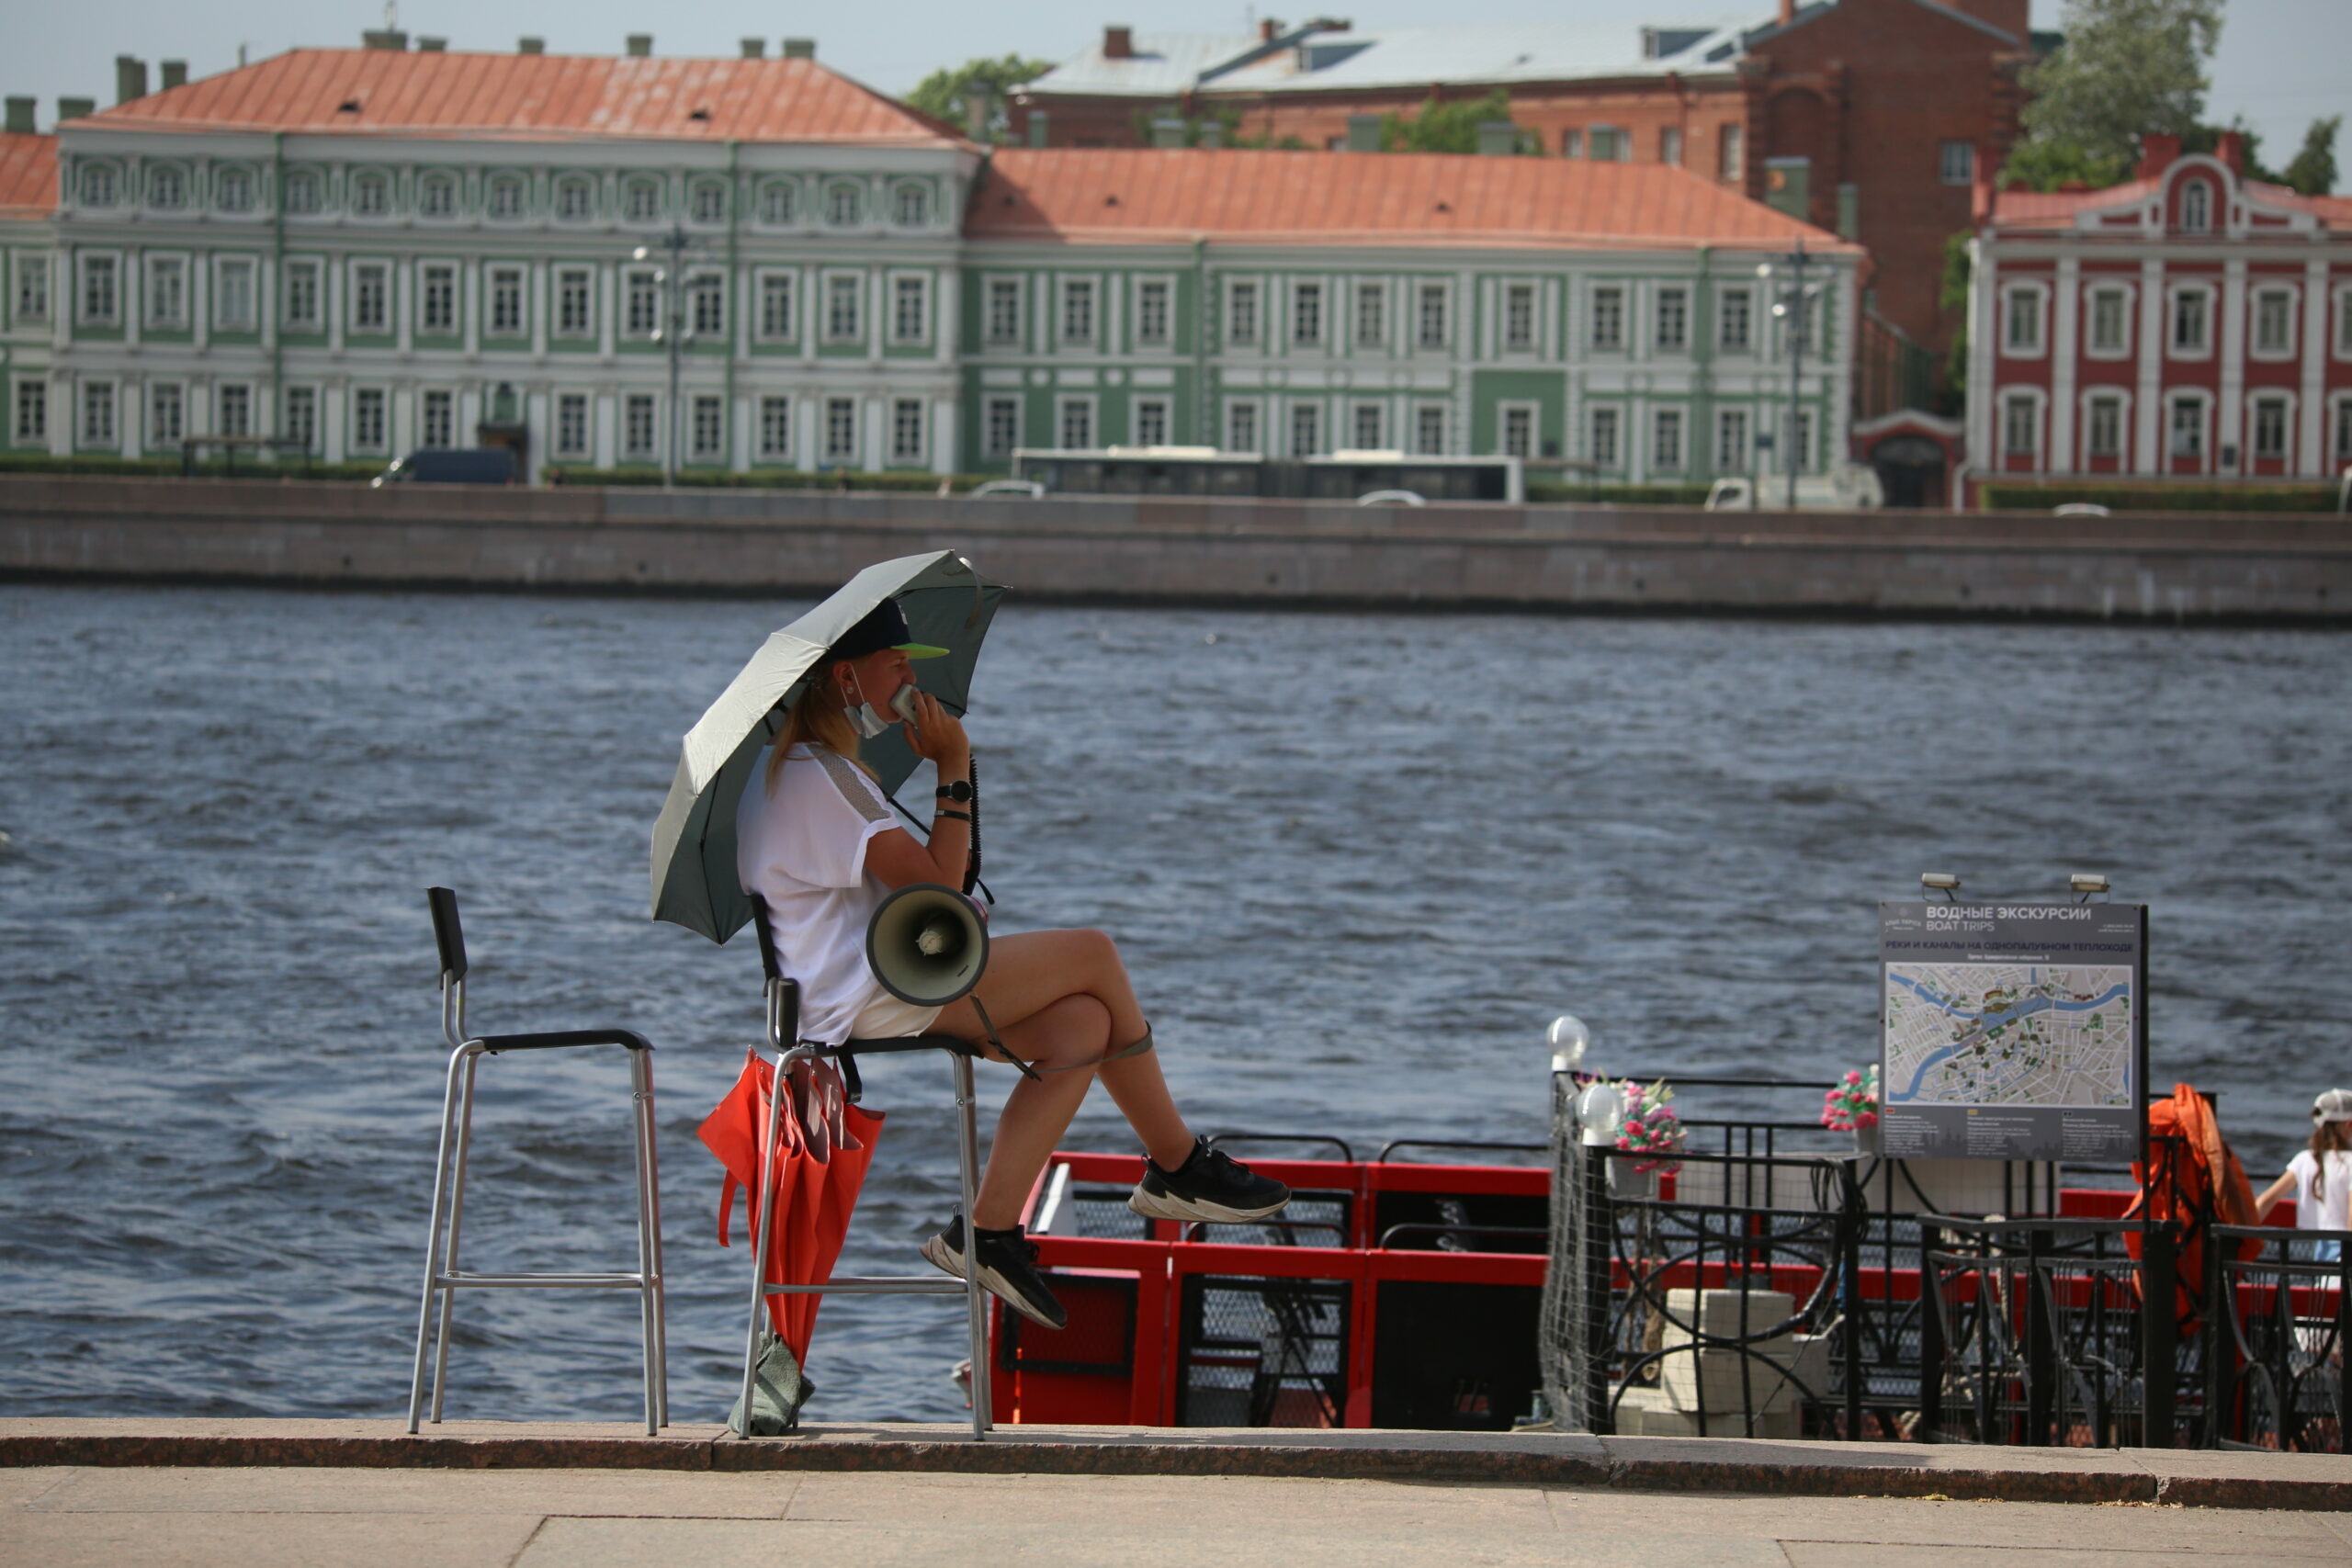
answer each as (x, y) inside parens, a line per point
(887, 1018)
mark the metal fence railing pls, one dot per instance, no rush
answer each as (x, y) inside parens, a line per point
(2275, 1366)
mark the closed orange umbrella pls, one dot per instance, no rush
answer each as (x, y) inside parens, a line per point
(732, 1132)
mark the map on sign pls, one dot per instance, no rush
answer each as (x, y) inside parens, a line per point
(2012, 1034)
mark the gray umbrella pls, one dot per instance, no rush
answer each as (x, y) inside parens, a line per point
(947, 604)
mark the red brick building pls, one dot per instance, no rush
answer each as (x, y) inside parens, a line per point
(1868, 117)
(2191, 325)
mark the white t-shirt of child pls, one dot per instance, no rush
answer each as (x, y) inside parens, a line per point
(2328, 1212)
(802, 849)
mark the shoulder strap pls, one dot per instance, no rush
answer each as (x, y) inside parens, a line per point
(855, 787)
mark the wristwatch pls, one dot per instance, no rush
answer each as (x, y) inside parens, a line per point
(959, 791)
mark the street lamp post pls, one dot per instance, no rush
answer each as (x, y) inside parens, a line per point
(671, 332)
(1791, 306)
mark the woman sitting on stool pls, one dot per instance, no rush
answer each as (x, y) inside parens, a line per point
(817, 841)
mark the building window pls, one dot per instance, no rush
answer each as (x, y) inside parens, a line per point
(707, 436)
(574, 201)
(98, 413)
(505, 301)
(912, 207)
(2110, 320)
(1078, 311)
(1004, 311)
(1609, 319)
(2104, 434)
(167, 292)
(707, 316)
(232, 294)
(641, 313)
(841, 429)
(2343, 432)
(1665, 439)
(2192, 321)
(371, 194)
(232, 408)
(1519, 316)
(1241, 312)
(576, 312)
(1673, 320)
(776, 203)
(1432, 334)
(1602, 140)
(1956, 163)
(1368, 433)
(2020, 423)
(2343, 324)
(1000, 432)
(165, 408)
(505, 197)
(1731, 154)
(1736, 321)
(1601, 424)
(1151, 422)
(637, 426)
(776, 305)
(1518, 430)
(33, 287)
(2270, 429)
(98, 185)
(301, 196)
(1077, 424)
(2023, 333)
(1803, 440)
(371, 298)
(32, 410)
(1669, 146)
(2187, 429)
(710, 202)
(1306, 429)
(368, 429)
(302, 296)
(641, 201)
(1151, 313)
(2274, 321)
(101, 299)
(775, 429)
(302, 417)
(166, 189)
(1372, 316)
(844, 205)
(1241, 428)
(1572, 143)
(436, 423)
(842, 296)
(909, 309)
(2195, 207)
(572, 425)
(1306, 314)
(437, 197)
(437, 300)
(906, 430)
(232, 190)
(1429, 430)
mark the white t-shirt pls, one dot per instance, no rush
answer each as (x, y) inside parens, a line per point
(803, 850)
(2328, 1214)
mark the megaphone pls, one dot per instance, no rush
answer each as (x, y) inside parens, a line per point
(927, 944)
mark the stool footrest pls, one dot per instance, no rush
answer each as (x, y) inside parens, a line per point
(901, 1285)
(545, 1282)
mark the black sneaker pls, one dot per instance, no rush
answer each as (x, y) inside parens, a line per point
(1008, 1269)
(1210, 1185)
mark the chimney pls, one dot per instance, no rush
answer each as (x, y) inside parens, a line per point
(1497, 139)
(174, 73)
(2232, 151)
(800, 48)
(1118, 43)
(2156, 155)
(20, 116)
(530, 46)
(1167, 131)
(1364, 133)
(385, 37)
(425, 45)
(638, 46)
(1269, 30)
(76, 108)
(130, 78)
(1788, 12)
(755, 49)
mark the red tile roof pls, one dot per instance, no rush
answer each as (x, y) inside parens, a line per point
(2048, 211)
(534, 97)
(1274, 198)
(28, 176)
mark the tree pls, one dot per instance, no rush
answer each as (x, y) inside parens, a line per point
(2312, 170)
(1443, 126)
(2048, 165)
(2127, 68)
(943, 93)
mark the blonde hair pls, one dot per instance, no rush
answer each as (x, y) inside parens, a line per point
(815, 720)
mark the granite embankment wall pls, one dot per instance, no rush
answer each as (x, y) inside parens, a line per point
(2184, 566)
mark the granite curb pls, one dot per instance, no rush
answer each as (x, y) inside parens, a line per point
(2299, 1482)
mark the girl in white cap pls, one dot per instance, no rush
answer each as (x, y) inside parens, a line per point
(2321, 1176)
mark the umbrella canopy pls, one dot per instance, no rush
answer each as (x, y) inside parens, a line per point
(947, 604)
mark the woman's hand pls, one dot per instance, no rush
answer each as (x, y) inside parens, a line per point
(937, 737)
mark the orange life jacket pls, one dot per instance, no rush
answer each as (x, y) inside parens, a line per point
(2198, 1182)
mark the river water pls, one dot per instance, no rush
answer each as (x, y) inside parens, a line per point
(1355, 861)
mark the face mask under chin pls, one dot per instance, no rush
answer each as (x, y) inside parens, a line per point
(866, 721)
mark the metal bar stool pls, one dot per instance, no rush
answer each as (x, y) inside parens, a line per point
(783, 1030)
(443, 1278)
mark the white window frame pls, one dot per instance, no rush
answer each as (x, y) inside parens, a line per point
(1370, 314)
(2124, 293)
(844, 290)
(1245, 311)
(430, 276)
(312, 271)
(437, 403)
(1082, 406)
(649, 449)
(1669, 146)
(1155, 318)
(643, 300)
(380, 271)
(779, 204)
(166, 407)
(303, 193)
(2199, 191)
(557, 444)
(2203, 403)
(167, 177)
(909, 415)
(496, 191)
(1425, 296)
(905, 286)
(1303, 434)
(1000, 440)
(1516, 423)
(2284, 401)
(1310, 320)
(996, 290)
(1731, 152)
(706, 203)
(1253, 411)
(493, 278)
(1671, 305)
(2120, 398)
(90, 307)
(1368, 426)
(1608, 417)
(2344, 323)
(232, 408)
(436, 184)
(641, 200)
(1744, 317)
(2338, 435)
(175, 314)
(2036, 406)
(2254, 299)
(98, 423)
(1734, 454)
(903, 194)
(566, 187)
(1149, 422)
(1424, 415)
(1675, 456)
(32, 274)
(1610, 297)
(2032, 345)
(371, 193)
(776, 411)
(844, 205)
(706, 302)
(246, 319)
(28, 412)
(234, 180)
(298, 416)
(1521, 317)
(568, 273)
(779, 306)
(1075, 325)
(706, 428)
(97, 183)
(362, 439)
(2174, 295)
(1956, 163)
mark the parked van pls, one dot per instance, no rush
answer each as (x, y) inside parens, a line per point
(446, 465)
(1851, 486)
